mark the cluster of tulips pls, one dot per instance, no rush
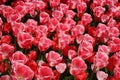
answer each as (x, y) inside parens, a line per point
(59, 39)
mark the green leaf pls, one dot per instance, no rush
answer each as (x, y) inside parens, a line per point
(69, 78)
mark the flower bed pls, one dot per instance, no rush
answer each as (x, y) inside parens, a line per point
(59, 39)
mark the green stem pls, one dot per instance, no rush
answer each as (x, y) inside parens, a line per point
(91, 76)
(94, 70)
